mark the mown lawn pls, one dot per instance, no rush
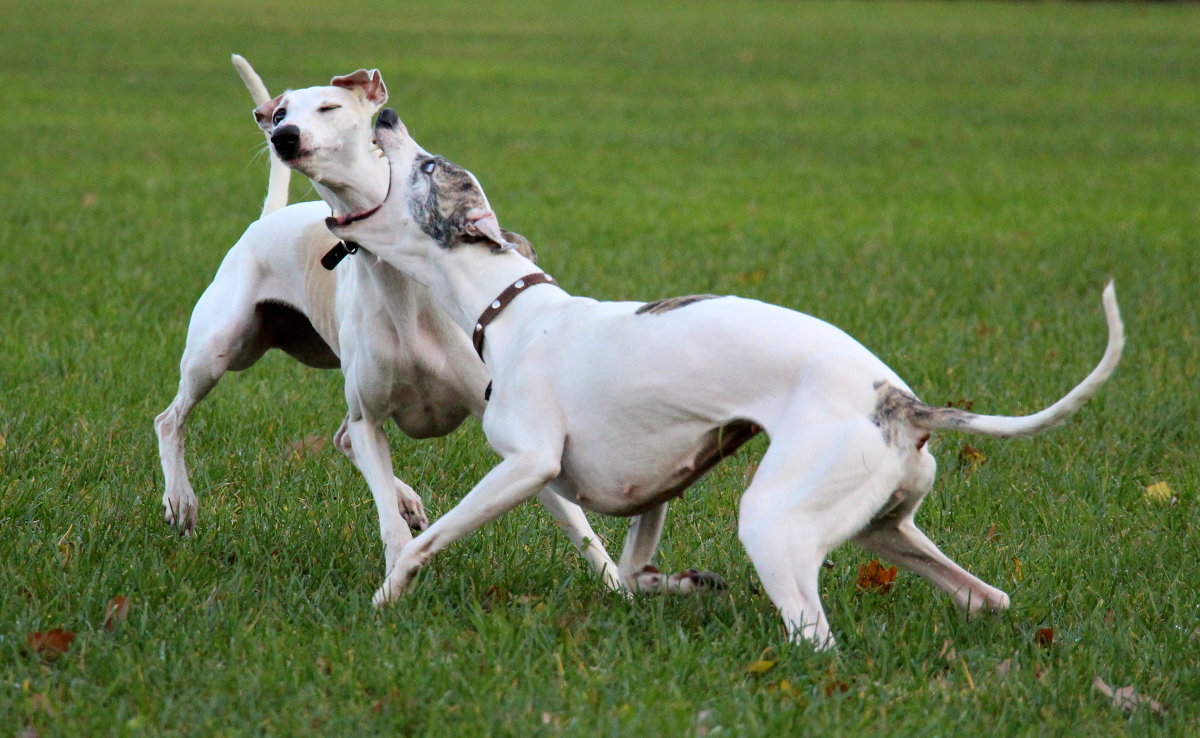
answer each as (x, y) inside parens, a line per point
(951, 183)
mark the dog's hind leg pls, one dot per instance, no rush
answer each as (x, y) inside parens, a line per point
(641, 541)
(818, 483)
(579, 530)
(896, 538)
(222, 335)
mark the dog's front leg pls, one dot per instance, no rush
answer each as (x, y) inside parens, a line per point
(374, 460)
(513, 481)
(412, 508)
(579, 530)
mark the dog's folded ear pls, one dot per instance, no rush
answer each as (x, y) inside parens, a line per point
(482, 225)
(369, 84)
(263, 114)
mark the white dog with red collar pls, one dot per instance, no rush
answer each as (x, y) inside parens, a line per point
(618, 406)
(402, 357)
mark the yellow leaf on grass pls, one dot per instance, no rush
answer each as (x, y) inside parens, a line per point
(760, 667)
(3, 442)
(1158, 492)
(1018, 570)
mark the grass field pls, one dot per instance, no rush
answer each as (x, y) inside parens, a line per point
(951, 183)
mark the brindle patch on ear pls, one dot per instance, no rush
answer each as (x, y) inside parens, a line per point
(449, 193)
(659, 307)
(524, 248)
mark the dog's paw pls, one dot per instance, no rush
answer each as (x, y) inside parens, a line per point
(412, 508)
(694, 580)
(181, 513)
(650, 579)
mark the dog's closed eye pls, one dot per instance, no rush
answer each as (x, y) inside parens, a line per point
(327, 108)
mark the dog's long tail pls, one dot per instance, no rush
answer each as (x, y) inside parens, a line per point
(280, 176)
(928, 417)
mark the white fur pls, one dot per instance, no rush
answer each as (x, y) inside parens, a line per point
(606, 406)
(403, 359)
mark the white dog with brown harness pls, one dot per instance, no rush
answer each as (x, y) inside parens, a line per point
(619, 406)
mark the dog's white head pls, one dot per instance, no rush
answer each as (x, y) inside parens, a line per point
(432, 205)
(325, 132)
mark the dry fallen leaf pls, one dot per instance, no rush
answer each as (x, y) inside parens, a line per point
(1159, 492)
(992, 532)
(1018, 570)
(761, 666)
(1044, 637)
(1126, 698)
(832, 685)
(118, 608)
(970, 458)
(875, 576)
(50, 644)
(307, 446)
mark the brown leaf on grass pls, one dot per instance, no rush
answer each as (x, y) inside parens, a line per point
(874, 576)
(992, 532)
(115, 614)
(494, 597)
(1044, 637)
(832, 685)
(1126, 698)
(970, 458)
(307, 446)
(961, 403)
(50, 644)
(323, 665)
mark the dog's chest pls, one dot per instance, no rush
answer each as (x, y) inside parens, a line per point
(625, 476)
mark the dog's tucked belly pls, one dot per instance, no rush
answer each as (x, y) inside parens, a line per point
(630, 475)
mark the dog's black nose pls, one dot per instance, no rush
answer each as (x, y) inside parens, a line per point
(286, 141)
(387, 118)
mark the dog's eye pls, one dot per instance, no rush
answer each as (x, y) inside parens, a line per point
(429, 166)
(280, 114)
(327, 108)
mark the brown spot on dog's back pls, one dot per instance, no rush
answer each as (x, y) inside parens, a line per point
(666, 305)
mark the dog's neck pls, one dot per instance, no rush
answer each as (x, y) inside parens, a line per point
(465, 279)
(364, 188)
